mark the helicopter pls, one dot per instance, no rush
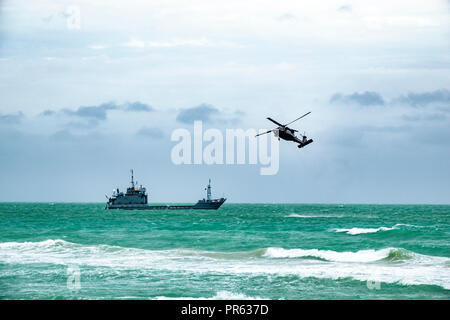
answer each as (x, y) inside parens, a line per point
(288, 134)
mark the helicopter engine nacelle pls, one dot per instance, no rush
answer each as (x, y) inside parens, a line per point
(276, 133)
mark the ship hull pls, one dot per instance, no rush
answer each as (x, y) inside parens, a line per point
(201, 205)
(209, 205)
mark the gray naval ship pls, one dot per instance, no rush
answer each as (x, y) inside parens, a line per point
(137, 199)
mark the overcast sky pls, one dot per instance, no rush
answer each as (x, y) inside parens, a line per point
(85, 100)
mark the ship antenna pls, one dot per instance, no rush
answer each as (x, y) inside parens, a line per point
(132, 180)
(208, 192)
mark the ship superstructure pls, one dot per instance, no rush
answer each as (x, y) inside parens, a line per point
(209, 203)
(134, 198)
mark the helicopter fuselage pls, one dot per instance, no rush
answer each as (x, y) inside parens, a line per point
(286, 134)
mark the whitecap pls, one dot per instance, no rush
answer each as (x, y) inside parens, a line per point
(295, 215)
(220, 295)
(355, 231)
(329, 255)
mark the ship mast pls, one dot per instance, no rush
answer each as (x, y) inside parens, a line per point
(132, 179)
(208, 191)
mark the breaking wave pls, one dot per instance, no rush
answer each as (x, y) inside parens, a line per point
(329, 255)
(60, 251)
(355, 231)
(399, 255)
(391, 265)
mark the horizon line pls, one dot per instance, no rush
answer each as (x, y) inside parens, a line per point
(255, 203)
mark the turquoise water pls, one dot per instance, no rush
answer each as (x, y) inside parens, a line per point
(241, 251)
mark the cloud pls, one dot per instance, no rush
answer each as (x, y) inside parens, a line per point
(367, 98)
(84, 117)
(441, 96)
(47, 113)
(138, 107)
(12, 118)
(154, 133)
(203, 112)
(99, 112)
(208, 114)
(92, 112)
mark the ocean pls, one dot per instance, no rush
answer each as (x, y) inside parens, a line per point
(241, 251)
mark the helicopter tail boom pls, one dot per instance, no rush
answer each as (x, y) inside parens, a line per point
(301, 145)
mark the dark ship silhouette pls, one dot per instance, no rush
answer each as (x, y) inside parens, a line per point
(137, 199)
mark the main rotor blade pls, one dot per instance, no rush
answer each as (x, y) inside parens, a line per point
(260, 134)
(277, 123)
(298, 118)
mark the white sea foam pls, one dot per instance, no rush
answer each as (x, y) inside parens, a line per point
(226, 295)
(408, 225)
(355, 231)
(329, 255)
(295, 215)
(220, 295)
(377, 265)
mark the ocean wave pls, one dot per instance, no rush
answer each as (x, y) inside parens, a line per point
(52, 250)
(220, 295)
(399, 255)
(335, 256)
(295, 215)
(222, 255)
(408, 225)
(391, 265)
(355, 231)
(61, 251)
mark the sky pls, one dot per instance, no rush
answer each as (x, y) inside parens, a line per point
(91, 89)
